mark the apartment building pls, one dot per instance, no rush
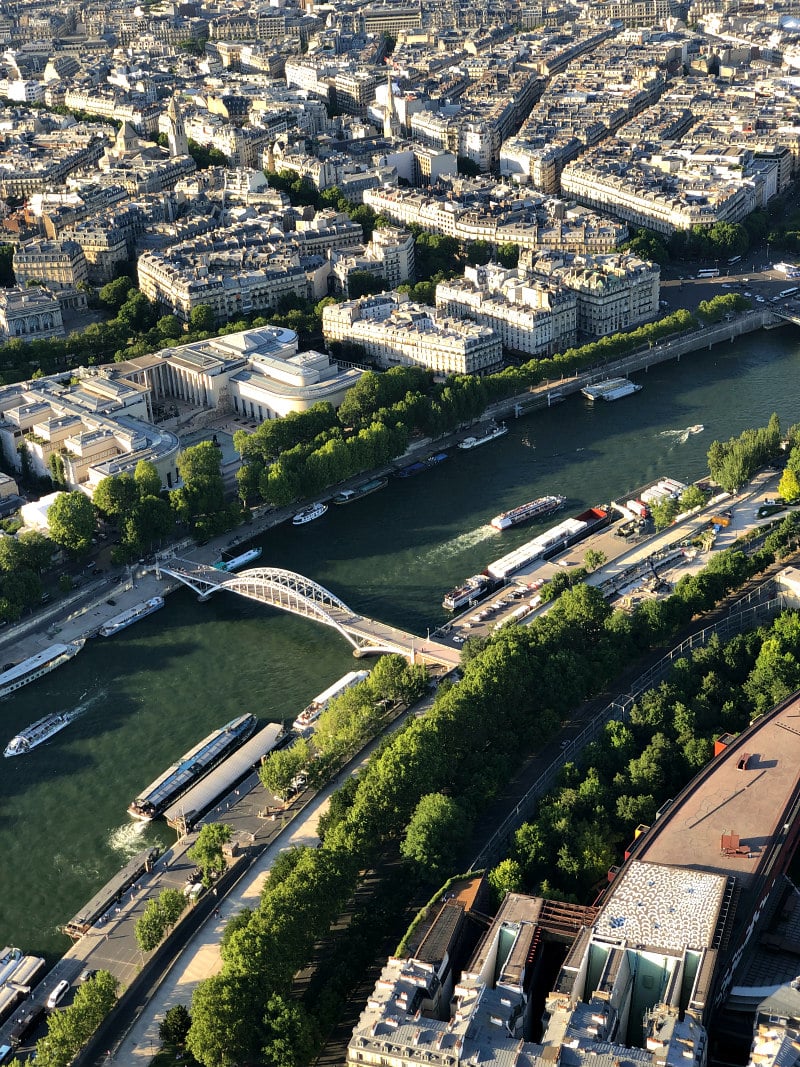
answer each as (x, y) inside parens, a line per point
(388, 257)
(663, 191)
(529, 314)
(614, 292)
(394, 331)
(499, 216)
(60, 265)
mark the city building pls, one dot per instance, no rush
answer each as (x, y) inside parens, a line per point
(29, 314)
(528, 313)
(389, 256)
(392, 330)
(614, 292)
(60, 265)
(256, 373)
(97, 427)
(645, 971)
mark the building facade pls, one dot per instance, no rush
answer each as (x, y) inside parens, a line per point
(393, 331)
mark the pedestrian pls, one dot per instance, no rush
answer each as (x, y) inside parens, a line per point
(214, 890)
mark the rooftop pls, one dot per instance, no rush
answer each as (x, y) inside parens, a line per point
(665, 908)
(751, 801)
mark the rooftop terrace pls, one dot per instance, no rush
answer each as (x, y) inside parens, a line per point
(751, 798)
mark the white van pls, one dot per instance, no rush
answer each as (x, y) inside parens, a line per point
(58, 994)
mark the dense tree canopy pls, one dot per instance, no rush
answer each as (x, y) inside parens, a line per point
(71, 520)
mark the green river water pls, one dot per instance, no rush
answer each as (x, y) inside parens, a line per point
(153, 691)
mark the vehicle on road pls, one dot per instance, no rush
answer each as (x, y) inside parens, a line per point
(58, 994)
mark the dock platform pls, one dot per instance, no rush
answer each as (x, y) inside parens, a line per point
(79, 924)
(185, 812)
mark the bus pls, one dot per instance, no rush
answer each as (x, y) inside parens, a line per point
(789, 292)
(712, 272)
(734, 259)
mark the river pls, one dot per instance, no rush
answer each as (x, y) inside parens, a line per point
(153, 691)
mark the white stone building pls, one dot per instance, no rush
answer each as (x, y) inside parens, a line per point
(528, 314)
(29, 314)
(393, 330)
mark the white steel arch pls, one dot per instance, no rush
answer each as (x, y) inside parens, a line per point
(285, 590)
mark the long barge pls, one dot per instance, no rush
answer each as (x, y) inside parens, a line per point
(228, 565)
(190, 767)
(550, 543)
(132, 615)
(38, 665)
(420, 465)
(306, 719)
(533, 509)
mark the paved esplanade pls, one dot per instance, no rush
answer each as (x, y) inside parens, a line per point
(201, 957)
(301, 596)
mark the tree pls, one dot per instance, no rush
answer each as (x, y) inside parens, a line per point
(506, 877)
(203, 492)
(174, 1027)
(508, 255)
(7, 279)
(35, 550)
(71, 521)
(149, 927)
(68, 1030)
(147, 479)
(282, 765)
(789, 485)
(288, 1034)
(169, 327)
(394, 678)
(594, 558)
(435, 833)
(207, 853)
(116, 497)
(114, 295)
(692, 497)
(201, 318)
(664, 512)
(364, 283)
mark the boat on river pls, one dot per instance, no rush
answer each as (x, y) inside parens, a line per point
(474, 589)
(534, 509)
(313, 511)
(38, 732)
(241, 560)
(610, 389)
(349, 496)
(421, 465)
(132, 615)
(306, 719)
(491, 435)
(38, 665)
(192, 766)
(550, 543)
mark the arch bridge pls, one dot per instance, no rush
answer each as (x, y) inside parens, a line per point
(288, 591)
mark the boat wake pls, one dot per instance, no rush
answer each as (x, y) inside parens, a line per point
(448, 549)
(682, 436)
(127, 839)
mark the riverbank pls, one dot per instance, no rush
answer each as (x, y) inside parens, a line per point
(82, 614)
